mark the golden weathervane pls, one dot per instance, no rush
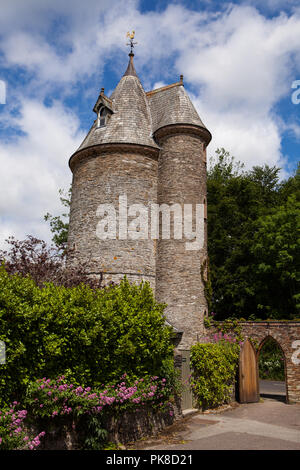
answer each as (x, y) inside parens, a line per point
(131, 38)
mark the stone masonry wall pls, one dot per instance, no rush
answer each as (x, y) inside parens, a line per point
(181, 180)
(287, 335)
(101, 179)
(63, 434)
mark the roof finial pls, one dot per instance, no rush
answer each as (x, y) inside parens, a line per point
(131, 43)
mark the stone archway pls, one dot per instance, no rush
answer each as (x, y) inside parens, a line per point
(260, 348)
(287, 335)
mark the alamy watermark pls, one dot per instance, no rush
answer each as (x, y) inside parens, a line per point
(188, 222)
(2, 92)
(2, 352)
(296, 94)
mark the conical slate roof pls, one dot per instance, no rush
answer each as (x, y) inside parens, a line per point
(172, 105)
(135, 115)
(130, 121)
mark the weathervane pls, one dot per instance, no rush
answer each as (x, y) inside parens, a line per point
(131, 38)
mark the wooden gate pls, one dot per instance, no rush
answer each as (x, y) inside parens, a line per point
(248, 374)
(187, 395)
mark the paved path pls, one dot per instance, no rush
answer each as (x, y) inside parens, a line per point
(268, 425)
(272, 387)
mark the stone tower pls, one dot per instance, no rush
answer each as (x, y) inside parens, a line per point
(147, 149)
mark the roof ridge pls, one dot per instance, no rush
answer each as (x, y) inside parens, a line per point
(166, 87)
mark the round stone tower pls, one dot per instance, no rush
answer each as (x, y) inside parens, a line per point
(181, 269)
(145, 150)
(116, 164)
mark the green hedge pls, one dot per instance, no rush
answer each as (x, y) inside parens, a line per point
(91, 337)
(214, 370)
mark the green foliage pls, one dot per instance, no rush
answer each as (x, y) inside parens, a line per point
(90, 336)
(230, 325)
(96, 435)
(214, 370)
(271, 361)
(13, 432)
(253, 242)
(276, 248)
(59, 225)
(55, 403)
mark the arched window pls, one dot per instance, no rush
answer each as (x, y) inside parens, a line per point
(205, 208)
(102, 117)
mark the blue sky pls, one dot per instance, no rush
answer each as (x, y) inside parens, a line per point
(239, 60)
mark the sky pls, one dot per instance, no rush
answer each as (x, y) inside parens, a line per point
(239, 60)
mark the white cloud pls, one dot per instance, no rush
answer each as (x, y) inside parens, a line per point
(238, 64)
(35, 166)
(243, 65)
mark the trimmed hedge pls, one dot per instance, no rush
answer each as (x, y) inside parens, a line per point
(214, 370)
(89, 336)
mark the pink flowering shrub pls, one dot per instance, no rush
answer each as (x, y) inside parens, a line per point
(56, 398)
(90, 336)
(13, 433)
(87, 409)
(223, 337)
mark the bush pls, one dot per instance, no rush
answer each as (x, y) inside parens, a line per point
(271, 361)
(214, 370)
(54, 398)
(90, 336)
(13, 433)
(52, 403)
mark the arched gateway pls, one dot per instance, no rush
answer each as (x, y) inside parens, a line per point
(287, 335)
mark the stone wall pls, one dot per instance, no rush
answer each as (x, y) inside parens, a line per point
(287, 335)
(63, 434)
(100, 178)
(181, 180)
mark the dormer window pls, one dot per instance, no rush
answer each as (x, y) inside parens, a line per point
(103, 109)
(102, 117)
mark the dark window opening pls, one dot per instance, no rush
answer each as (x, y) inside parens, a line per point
(102, 117)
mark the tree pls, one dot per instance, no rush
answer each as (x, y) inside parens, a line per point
(276, 247)
(33, 258)
(237, 199)
(59, 225)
